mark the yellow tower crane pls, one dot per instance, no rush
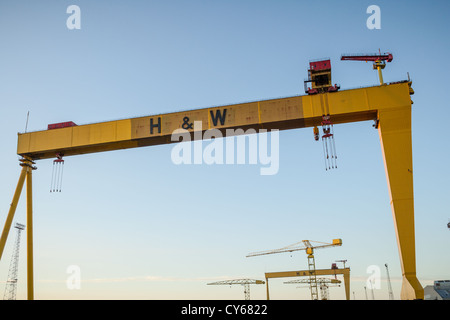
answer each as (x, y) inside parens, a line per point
(324, 283)
(309, 248)
(245, 282)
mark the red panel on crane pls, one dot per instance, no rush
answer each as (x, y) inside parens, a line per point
(61, 125)
(320, 65)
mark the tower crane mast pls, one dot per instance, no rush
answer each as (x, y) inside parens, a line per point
(390, 105)
(391, 293)
(379, 60)
(11, 283)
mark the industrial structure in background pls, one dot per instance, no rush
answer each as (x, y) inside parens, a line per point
(389, 105)
(324, 284)
(11, 282)
(309, 248)
(440, 290)
(244, 282)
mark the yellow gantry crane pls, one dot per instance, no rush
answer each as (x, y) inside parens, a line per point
(345, 272)
(389, 105)
(309, 248)
(244, 282)
(324, 284)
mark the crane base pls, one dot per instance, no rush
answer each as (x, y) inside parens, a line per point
(411, 288)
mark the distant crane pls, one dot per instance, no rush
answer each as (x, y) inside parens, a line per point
(343, 261)
(11, 283)
(391, 293)
(245, 282)
(324, 283)
(379, 60)
(372, 285)
(309, 248)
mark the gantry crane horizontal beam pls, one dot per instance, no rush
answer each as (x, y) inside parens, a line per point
(319, 280)
(304, 273)
(245, 282)
(284, 113)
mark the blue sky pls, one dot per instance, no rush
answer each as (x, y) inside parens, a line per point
(141, 227)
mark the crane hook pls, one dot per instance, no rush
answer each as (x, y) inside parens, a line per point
(57, 173)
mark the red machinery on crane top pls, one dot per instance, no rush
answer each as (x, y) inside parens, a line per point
(369, 57)
(379, 60)
(319, 74)
(320, 64)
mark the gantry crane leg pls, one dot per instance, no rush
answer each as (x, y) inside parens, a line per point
(347, 283)
(27, 168)
(30, 272)
(12, 210)
(394, 129)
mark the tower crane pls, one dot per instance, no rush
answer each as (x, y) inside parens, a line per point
(245, 282)
(379, 60)
(343, 261)
(324, 283)
(391, 293)
(309, 248)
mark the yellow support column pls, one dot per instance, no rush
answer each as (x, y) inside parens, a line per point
(395, 136)
(30, 273)
(347, 283)
(12, 210)
(379, 65)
